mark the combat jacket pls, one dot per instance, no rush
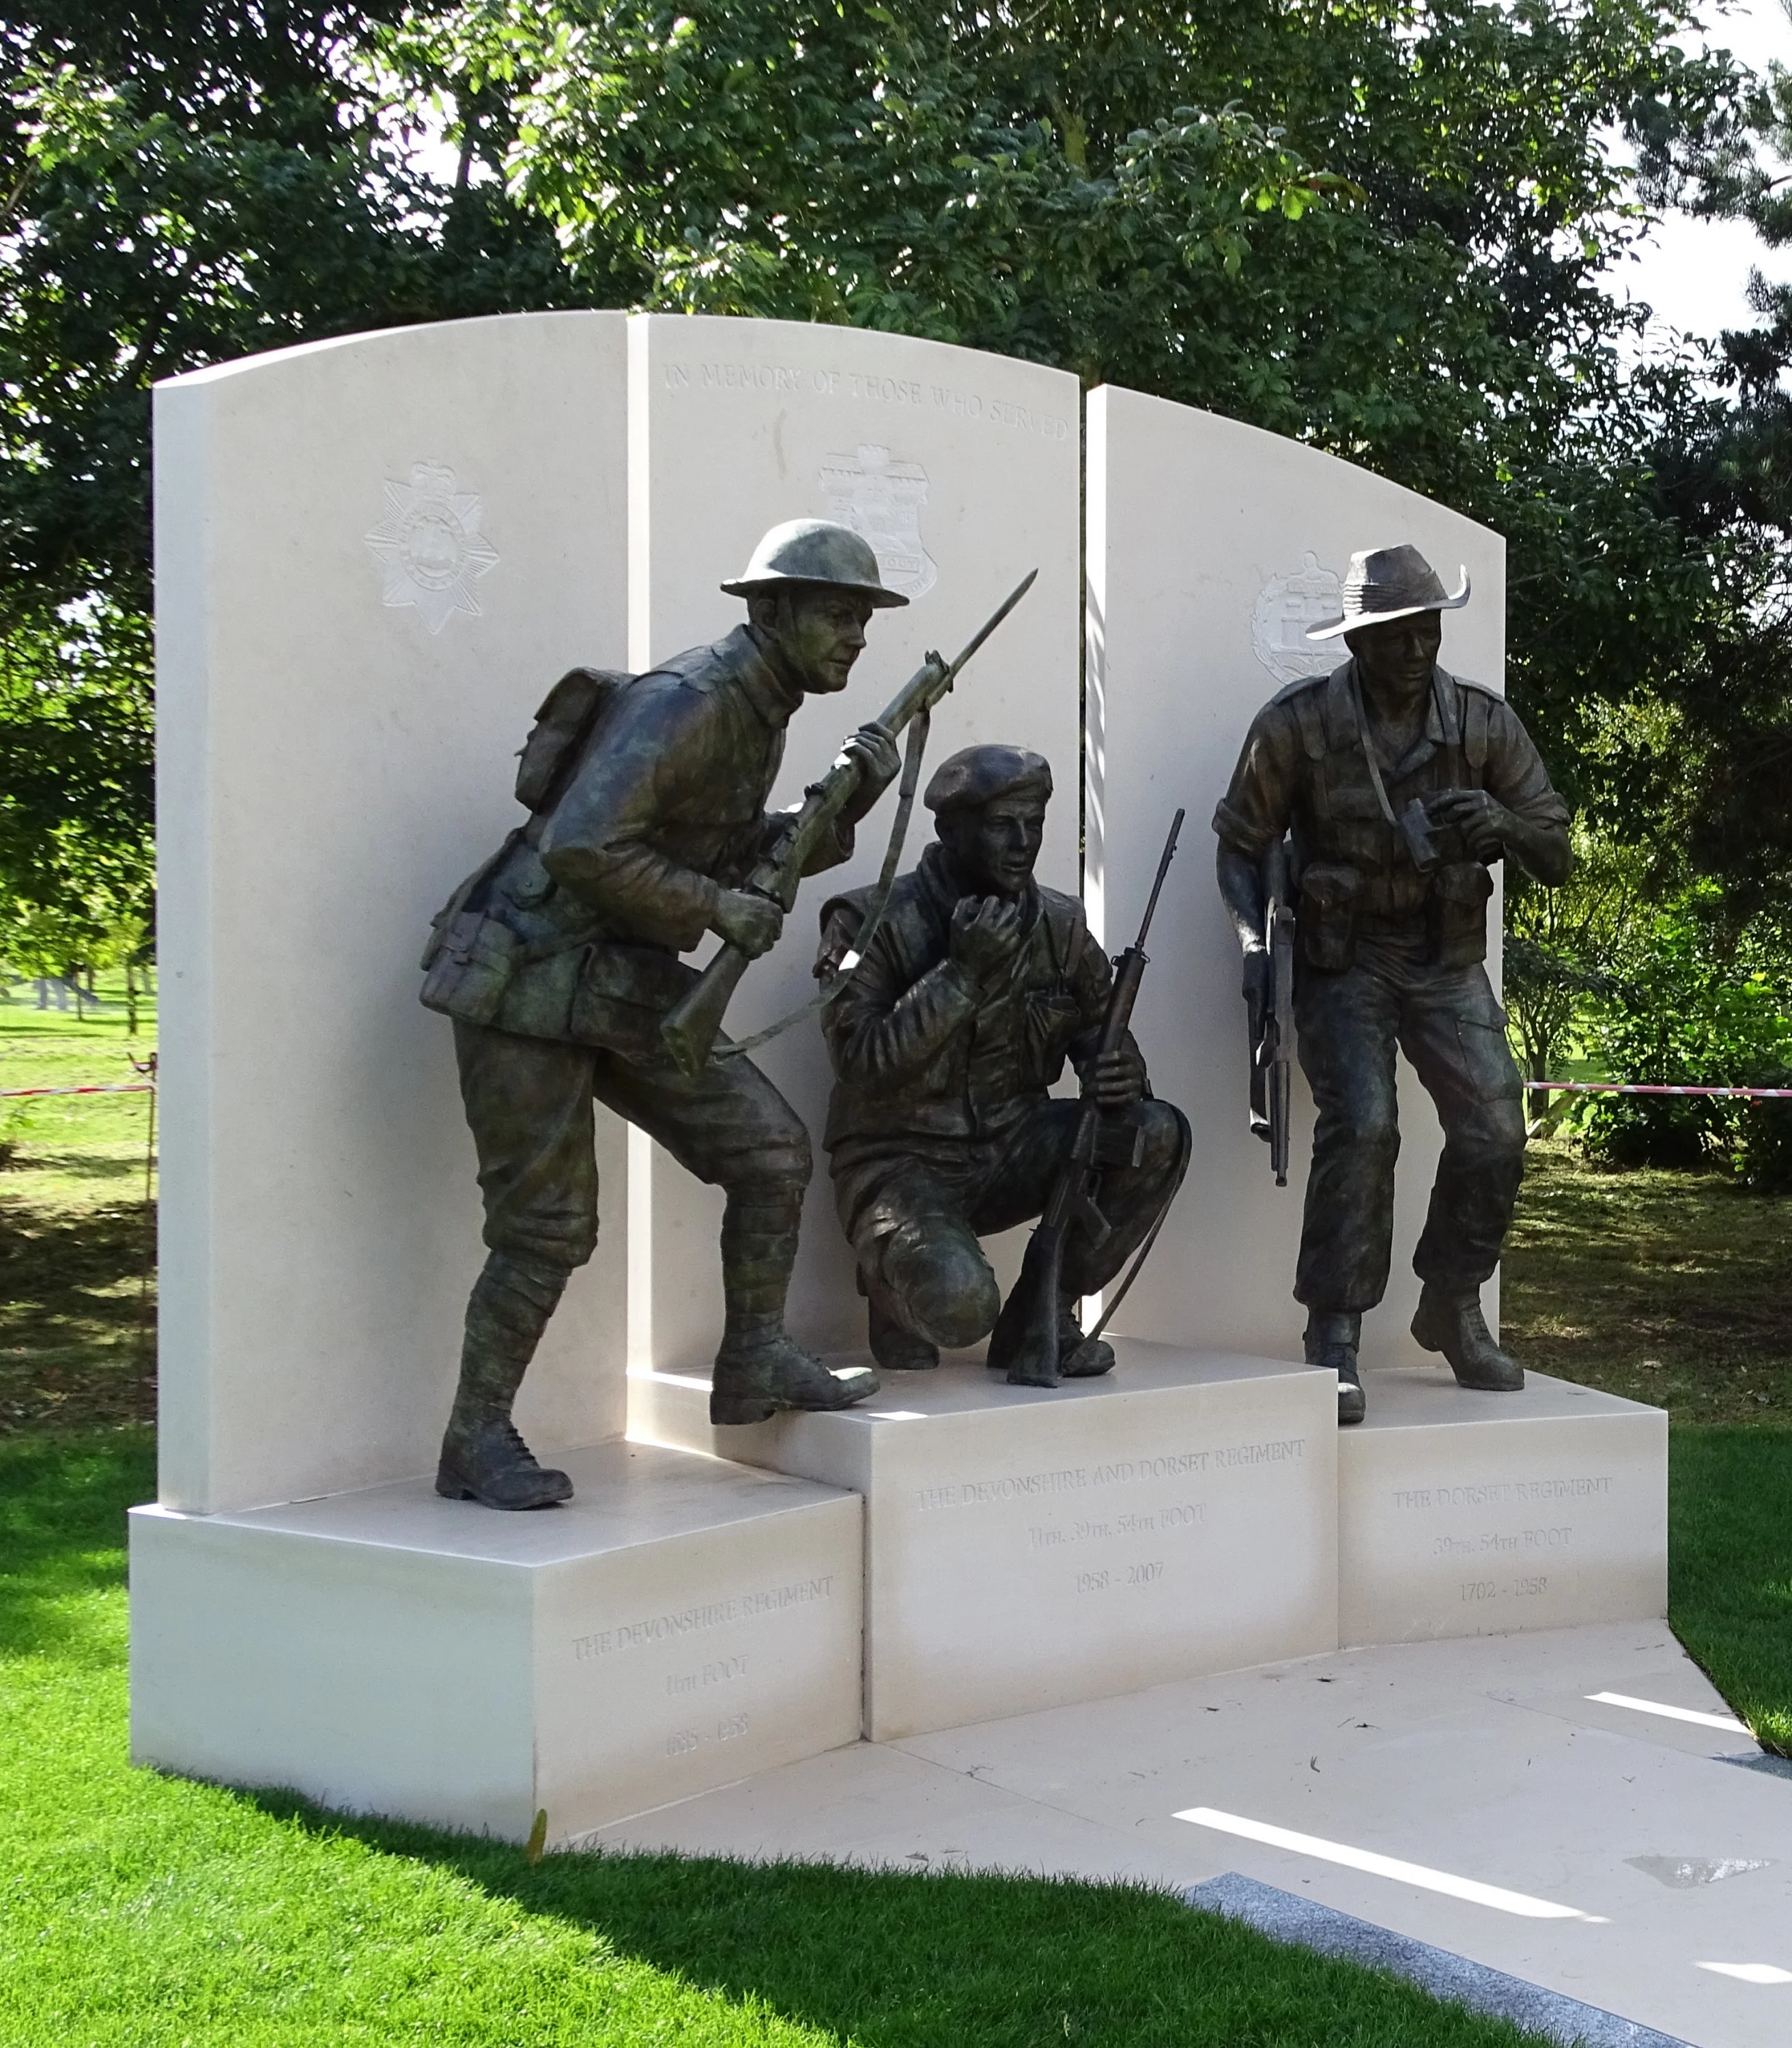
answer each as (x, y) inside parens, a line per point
(587, 908)
(920, 1048)
(1303, 770)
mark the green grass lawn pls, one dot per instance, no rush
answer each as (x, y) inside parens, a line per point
(152, 1913)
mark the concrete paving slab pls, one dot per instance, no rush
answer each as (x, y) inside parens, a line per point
(1480, 1764)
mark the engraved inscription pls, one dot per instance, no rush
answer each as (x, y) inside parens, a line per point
(693, 1620)
(853, 386)
(1051, 1536)
(718, 1671)
(1126, 1471)
(1497, 1493)
(681, 1742)
(430, 546)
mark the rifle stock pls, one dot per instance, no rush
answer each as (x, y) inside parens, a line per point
(690, 1028)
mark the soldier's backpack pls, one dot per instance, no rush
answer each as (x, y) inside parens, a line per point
(470, 957)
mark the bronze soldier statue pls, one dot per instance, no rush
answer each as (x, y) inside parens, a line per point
(559, 959)
(974, 988)
(1401, 784)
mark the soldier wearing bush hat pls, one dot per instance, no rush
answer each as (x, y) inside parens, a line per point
(559, 958)
(976, 986)
(1401, 785)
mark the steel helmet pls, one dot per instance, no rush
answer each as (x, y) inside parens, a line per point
(814, 550)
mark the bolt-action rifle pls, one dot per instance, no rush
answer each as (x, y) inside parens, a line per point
(690, 1028)
(1272, 1023)
(1026, 1338)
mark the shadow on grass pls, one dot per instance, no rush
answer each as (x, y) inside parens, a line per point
(888, 1959)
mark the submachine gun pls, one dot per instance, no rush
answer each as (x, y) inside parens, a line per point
(690, 1027)
(1025, 1341)
(1272, 1022)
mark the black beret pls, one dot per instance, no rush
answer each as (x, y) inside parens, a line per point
(977, 775)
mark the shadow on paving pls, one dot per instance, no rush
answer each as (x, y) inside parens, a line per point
(900, 1960)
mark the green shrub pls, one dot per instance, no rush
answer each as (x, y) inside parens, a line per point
(1691, 1015)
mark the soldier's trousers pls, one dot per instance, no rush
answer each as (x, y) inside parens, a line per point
(914, 1216)
(1449, 1025)
(529, 1102)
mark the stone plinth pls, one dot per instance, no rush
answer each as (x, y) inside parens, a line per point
(1463, 1514)
(1029, 1548)
(680, 1624)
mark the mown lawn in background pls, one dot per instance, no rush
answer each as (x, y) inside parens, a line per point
(1670, 1288)
(77, 1301)
(139, 1911)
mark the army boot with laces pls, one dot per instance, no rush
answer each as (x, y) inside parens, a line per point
(1454, 1323)
(1080, 1357)
(1330, 1343)
(760, 1369)
(483, 1458)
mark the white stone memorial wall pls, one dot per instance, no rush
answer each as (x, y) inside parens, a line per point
(1211, 545)
(374, 556)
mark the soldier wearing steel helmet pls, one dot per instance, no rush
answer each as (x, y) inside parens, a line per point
(1401, 784)
(558, 960)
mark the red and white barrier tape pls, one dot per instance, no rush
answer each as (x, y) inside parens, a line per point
(108, 1088)
(1653, 1087)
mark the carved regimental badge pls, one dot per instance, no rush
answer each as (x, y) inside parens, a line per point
(1288, 606)
(430, 545)
(881, 500)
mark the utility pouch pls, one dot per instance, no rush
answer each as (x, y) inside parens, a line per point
(1457, 912)
(1327, 918)
(470, 967)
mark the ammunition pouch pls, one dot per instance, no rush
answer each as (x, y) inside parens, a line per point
(468, 966)
(1456, 910)
(1327, 920)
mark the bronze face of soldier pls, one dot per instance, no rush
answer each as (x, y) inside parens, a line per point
(994, 847)
(1395, 658)
(819, 631)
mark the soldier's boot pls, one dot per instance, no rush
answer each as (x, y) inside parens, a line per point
(1454, 1323)
(899, 1350)
(760, 1369)
(483, 1458)
(1079, 1357)
(1331, 1342)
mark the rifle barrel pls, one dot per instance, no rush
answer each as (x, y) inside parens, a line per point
(1163, 870)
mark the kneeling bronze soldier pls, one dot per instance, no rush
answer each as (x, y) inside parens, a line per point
(1400, 784)
(975, 988)
(558, 962)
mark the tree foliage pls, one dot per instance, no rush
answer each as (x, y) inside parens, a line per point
(1383, 227)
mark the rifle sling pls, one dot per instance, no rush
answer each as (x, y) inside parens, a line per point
(1144, 1250)
(880, 900)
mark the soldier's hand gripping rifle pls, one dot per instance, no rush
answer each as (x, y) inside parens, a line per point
(690, 1026)
(1025, 1339)
(1272, 1021)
